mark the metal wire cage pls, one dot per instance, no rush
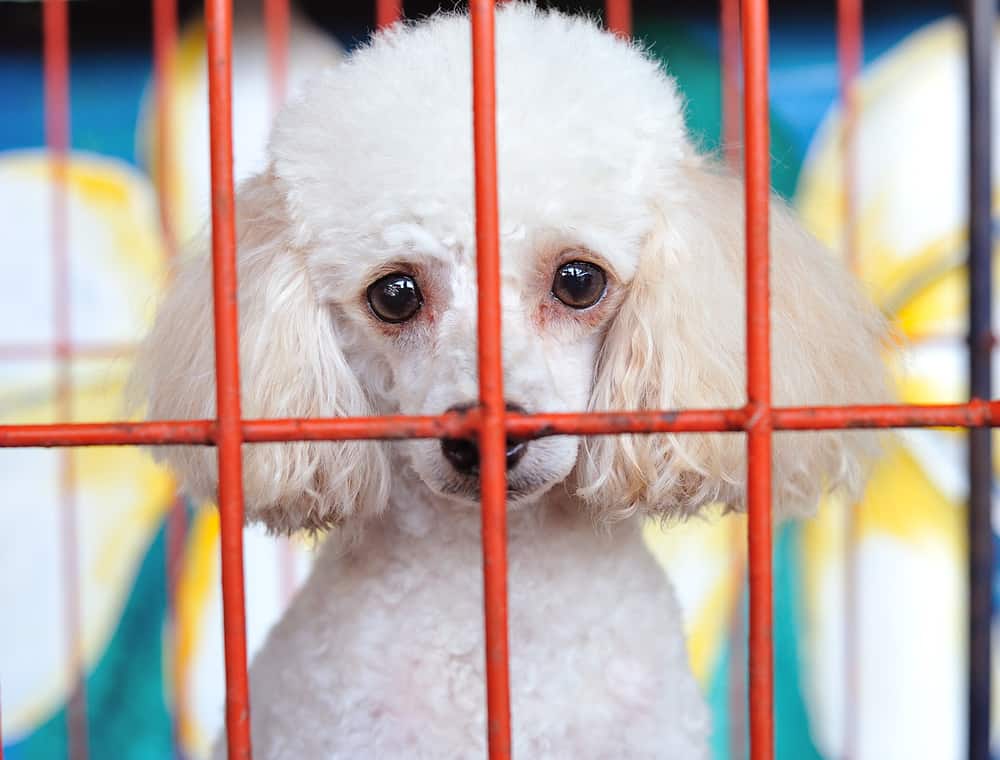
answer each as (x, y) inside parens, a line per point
(490, 421)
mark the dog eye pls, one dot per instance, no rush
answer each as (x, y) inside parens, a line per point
(395, 297)
(579, 284)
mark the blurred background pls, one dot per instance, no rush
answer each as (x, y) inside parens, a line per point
(140, 615)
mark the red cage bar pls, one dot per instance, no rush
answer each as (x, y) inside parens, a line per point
(618, 17)
(387, 12)
(732, 153)
(165, 39)
(492, 410)
(849, 40)
(276, 22)
(218, 32)
(975, 413)
(164, 43)
(758, 419)
(758, 341)
(55, 17)
(729, 47)
(849, 64)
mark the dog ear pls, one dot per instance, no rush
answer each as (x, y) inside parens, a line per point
(678, 342)
(291, 365)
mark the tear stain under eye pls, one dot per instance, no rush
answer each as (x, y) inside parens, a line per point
(552, 312)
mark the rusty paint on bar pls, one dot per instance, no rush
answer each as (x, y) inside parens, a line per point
(203, 432)
(492, 435)
(618, 17)
(602, 423)
(451, 425)
(218, 29)
(976, 413)
(973, 414)
(195, 432)
(758, 343)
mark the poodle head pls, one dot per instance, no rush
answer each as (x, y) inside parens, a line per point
(621, 284)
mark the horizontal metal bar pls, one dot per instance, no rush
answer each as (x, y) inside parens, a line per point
(108, 434)
(451, 425)
(976, 413)
(203, 432)
(603, 423)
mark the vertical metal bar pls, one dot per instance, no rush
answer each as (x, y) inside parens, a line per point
(849, 47)
(276, 22)
(492, 436)
(849, 64)
(729, 45)
(175, 540)
(730, 65)
(618, 17)
(979, 22)
(756, 129)
(736, 685)
(218, 26)
(387, 12)
(57, 131)
(164, 47)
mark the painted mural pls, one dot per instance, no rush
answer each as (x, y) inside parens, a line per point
(154, 670)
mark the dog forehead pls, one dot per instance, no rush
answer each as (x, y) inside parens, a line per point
(587, 129)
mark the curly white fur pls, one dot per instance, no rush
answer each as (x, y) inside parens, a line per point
(370, 173)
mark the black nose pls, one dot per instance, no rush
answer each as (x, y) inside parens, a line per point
(463, 453)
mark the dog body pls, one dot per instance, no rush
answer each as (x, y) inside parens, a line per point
(381, 653)
(622, 287)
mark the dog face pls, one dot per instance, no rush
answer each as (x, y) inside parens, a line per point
(411, 316)
(621, 285)
(391, 223)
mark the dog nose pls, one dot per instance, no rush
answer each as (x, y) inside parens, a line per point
(463, 453)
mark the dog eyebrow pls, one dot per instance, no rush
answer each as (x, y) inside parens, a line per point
(414, 236)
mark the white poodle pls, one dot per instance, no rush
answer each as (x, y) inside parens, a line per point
(622, 286)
